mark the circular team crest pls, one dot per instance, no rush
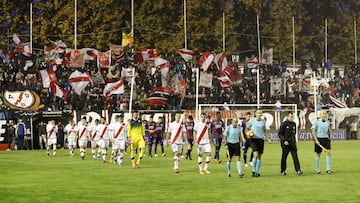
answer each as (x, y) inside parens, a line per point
(22, 100)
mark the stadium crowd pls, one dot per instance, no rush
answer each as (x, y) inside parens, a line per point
(16, 74)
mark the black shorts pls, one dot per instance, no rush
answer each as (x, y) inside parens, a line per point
(257, 145)
(324, 142)
(234, 149)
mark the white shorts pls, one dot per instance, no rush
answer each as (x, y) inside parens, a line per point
(94, 143)
(83, 143)
(52, 141)
(176, 148)
(204, 148)
(118, 144)
(71, 142)
(104, 143)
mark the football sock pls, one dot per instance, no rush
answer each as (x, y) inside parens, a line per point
(228, 164)
(200, 163)
(328, 162)
(207, 162)
(258, 164)
(317, 163)
(176, 162)
(238, 164)
(254, 161)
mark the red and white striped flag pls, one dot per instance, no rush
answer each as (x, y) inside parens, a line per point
(114, 88)
(59, 92)
(337, 102)
(252, 62)
(47, 77)
(221, 61)
(79, 81)
(163, 66)
(224, 81)
(186, 54)
(205, 60)
(142, 56)
(157, 101)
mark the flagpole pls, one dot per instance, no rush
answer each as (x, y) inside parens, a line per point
(75, 24)
(132, 89)
(31, 27)
(326, 46)
(223, 31)
(293, 40)
(197, 95)
(132, 21)
(185, 34)
(355, 43)
(258, 66)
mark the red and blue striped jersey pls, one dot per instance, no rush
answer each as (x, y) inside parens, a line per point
(189, 126)
(217, 127)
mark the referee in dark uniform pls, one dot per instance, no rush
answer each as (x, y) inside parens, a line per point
(287, 135)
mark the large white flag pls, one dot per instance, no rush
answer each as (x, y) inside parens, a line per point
(221, 61)
(114, 88)
(205, 60)
(79, 81)
(186, 54)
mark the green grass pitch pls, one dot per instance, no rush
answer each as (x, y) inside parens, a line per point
(31, 176)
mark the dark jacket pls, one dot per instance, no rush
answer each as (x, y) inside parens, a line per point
(287, 131)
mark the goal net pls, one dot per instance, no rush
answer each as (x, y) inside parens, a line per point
(274, 114)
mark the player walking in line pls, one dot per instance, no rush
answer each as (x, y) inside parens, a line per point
(176, 135)
(159, 136)
(322, 139)
(71, 131)
(136, 132)
(51, 131)
(247, 144)
(94, 138)
(118, 137)
(203, 141)
(287, 133)
(189, 126)
(150, 130)
(83, 137)
(232, 139)
(258, 132)
(104, 140)
(217, 127)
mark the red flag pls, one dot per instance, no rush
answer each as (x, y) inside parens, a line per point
(104, 59)
(157, 101)
(161, 90)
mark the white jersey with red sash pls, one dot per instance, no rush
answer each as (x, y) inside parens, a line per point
(70, 131)
(51, 131)
(94, 135)
(176, 130)
(83, 130)
(202, 132)
(118, 131)
(102, 131)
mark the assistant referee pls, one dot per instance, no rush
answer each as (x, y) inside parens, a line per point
(232, 138)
